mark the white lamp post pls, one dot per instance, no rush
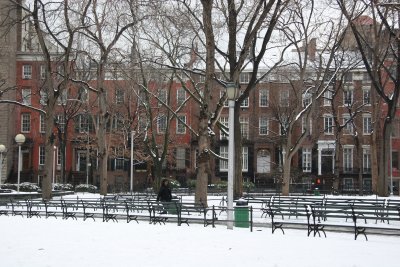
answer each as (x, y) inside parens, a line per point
(19, 139)
(131, 183)
(54, 163)
(2, 150)
(231, 91)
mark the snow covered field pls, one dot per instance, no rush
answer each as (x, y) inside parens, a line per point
(54, 242)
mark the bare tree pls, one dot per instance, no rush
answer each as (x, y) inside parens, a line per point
(375, 29)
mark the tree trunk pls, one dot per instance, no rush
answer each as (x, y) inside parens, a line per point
(286, 177)
(203, 161)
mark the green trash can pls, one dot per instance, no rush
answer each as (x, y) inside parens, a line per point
(316, 192)
(242, 214)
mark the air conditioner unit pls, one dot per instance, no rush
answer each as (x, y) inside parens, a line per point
(25, 77)
(58, 167)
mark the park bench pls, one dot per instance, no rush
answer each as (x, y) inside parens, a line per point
(4, 208)
(32, 209)
(87, 214)
(17, 208)
(66, 210)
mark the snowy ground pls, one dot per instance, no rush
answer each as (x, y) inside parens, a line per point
(43, 242)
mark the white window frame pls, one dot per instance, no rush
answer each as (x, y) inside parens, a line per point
(284, 98)
(366, 91)
(306, 159)
(180, 126)
(348, 129)
(366, 159)
(263, 96)
(244, 77)
(42, 123)
(367, 124)
(328, 97)
(244, 127)
(162, 96)
(42, 72)
(328, 121)
(348, 96)
(303, 124)
(180, 96)
(61, 122)
(263, 125)
(348, 155)
(245, 102)
(26, 72)
(161, 123)
(245, 159)
(26, 94)
(25, 122)
(62, 98)
(224, 121)
(42, 155)
(180, 158)
(43, 97)
(223, 164)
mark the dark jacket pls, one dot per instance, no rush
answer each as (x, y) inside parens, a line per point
(164, 194)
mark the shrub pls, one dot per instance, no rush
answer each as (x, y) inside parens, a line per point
(86, 188)
(174, 184)
(248, 186)
(9, 186)
(29, 187)
(221, 185)
(63, 187)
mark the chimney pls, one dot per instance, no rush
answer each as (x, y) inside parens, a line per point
(312, 49)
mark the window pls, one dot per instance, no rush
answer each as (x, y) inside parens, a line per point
(180, 124)
(223, 164)
(224, 121)
(43, 97)
(202, 78)
(328, 97)
(284, 98)
(366, 77)
(263, 97)
(367, 124)
(347, 159)
(118, 122)
(25, 122)
(245, 102)
(245, 159)
(244, 127)
(348, 96)
(348, 183)
(348, 124)
(83, 123)
(119, 96)
(180, 96)
(161, 124)
(180, 158)
(61, 122)
(83, 94)
(142, 123)
(328, 124)
(366, 160)
(26, 96)
(42, 125)
(306, 99)
(306, 158)
(162, 96)
(244, 77)
(304, 126)
(263, 125)
(366, 96)
(62, 98)
(42, 72)
(119, 159)
(395, 160)
(26, 72)
(41, 155)
(59, 156)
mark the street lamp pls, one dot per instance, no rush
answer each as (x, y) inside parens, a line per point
(2, 150)
(231, 92)
(19, 139)
(54, 163)
(131, 184)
